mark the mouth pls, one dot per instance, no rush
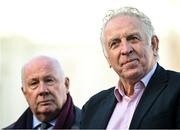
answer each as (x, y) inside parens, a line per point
(128, 61)
(45, 102)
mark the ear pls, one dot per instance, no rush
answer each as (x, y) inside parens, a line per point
(67, 83)
(155, 45)
(22, 89)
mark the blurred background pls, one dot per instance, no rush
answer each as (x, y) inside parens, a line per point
(69, 31)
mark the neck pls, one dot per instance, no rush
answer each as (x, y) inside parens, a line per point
(128, 87)
(48, 116)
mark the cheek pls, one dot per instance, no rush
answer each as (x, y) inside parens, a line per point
(142, 52)
(146, 59)
(148, 55)
(31, 99)
(113, 57)
(60, 95)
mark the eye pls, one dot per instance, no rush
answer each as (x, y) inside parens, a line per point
(114, 43)
(49, 80)
(133, 38)
(33, 83)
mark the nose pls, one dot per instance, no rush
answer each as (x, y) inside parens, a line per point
(126, 48)
(43, 89)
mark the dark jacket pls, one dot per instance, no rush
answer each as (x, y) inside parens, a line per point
(26, 119)
(159, 106)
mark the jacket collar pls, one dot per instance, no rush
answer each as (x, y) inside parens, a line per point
(155, 86)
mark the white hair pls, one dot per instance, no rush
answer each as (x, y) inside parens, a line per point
(127, 11)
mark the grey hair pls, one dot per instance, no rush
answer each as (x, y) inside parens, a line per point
(127, 11)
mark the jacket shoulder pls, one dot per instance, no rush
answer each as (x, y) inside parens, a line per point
(77, 118)
(99, 97)
(170, 76)
(9, 127)
(173, 74)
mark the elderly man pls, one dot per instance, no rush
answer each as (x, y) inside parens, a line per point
(46, 90)
(147, 95)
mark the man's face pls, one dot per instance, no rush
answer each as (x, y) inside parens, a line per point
(44, 88)
(128, 50)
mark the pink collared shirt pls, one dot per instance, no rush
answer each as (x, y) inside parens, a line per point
(125, 107)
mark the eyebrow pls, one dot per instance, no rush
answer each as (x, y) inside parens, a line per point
(125, 35)
(113, 38)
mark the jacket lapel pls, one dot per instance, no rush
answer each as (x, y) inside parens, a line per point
(155, 86)
(105, 111)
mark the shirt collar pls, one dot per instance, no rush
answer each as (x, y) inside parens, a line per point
(148, 76)
(36, 122)
(119, 93)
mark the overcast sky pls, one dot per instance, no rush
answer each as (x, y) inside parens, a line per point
(75, 21)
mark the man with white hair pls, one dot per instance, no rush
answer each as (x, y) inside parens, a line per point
(46, 89)
(146, 96)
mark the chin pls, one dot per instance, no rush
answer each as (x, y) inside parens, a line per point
(132, 75)
(45, 115)
(46, 109)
